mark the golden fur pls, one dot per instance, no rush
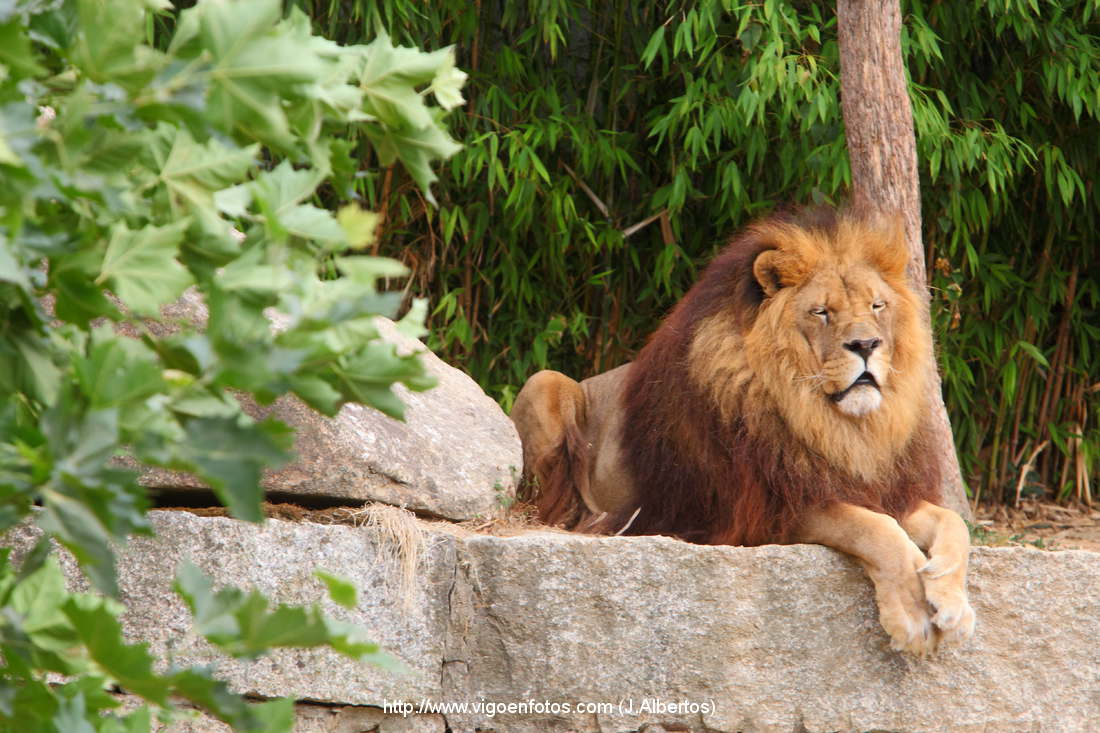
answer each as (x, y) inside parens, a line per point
(770, 368)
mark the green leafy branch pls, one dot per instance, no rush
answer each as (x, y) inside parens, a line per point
(143, 176)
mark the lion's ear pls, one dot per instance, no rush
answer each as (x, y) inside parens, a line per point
(766, 270)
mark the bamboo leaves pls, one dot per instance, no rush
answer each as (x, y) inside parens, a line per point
(714, 112)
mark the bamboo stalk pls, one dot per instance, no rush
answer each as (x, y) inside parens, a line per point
(1063, 475)
(1030, 331)
(633, 228)
(383, 209)
(474, 48)
(1024, 376)
(1050, 394)
(1078, 465)
(1060, 370)
(1025, 468)
(996, 466)
(1081, 487)
(1084, 464)
(588, 191)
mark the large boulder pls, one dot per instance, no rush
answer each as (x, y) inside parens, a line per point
(456, 455)
(616, 634)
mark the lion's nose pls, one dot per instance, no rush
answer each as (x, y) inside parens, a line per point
(863, 347)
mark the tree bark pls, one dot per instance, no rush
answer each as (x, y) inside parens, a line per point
(882, 148)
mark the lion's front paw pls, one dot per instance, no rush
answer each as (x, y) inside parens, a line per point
(903, 610)
(910, 630)
(945, 589)
(954, 618)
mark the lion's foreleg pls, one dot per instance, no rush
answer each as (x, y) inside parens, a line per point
(944, 536)
(891, 560)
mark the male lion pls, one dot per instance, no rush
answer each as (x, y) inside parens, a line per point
(785, 399)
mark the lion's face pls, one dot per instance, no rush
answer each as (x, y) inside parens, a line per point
(836, 350)
(845, 335)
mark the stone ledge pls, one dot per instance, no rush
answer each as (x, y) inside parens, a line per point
(775, 638)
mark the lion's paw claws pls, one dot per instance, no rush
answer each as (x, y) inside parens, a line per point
(921, 644)
(955, 620)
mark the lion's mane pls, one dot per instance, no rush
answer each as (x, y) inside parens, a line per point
(725, 446)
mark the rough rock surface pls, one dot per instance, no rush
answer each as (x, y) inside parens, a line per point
(279, 559)
(739, 639)
(310, 718)
(774, 638)
(457, 455)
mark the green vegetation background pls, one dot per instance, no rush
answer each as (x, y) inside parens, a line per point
(610, 146)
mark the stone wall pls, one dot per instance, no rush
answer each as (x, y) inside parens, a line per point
(735, 639)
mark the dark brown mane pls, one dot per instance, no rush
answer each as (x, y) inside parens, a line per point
(708, 480)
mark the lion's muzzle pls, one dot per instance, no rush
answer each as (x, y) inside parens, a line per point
(863, 347)
(866, 379)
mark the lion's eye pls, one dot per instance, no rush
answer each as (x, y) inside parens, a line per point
(820, 312)
(878, 305)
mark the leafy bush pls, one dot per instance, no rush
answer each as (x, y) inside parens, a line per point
(132, 171)
(610, 147)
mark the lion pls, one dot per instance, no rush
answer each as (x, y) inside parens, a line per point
(786, 398)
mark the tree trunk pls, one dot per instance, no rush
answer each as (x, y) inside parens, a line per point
(882, 149)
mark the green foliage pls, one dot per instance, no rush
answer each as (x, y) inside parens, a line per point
(1007, 118)
(611, 146)
(130, 171)
(47, 629)
(340, 590)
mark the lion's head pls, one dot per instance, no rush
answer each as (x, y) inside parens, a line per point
(833, 352)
